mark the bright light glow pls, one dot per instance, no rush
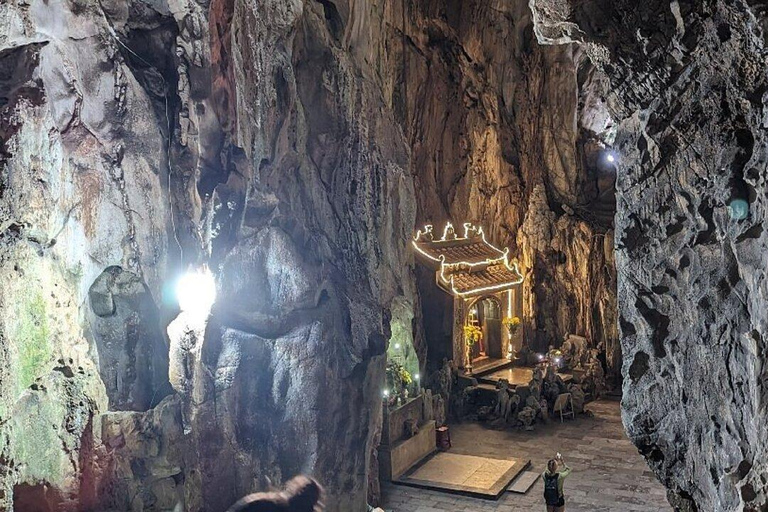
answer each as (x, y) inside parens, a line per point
(397, 346)
(417, 376)
(739, 209)
(385, 393)
(196, 291)
(540, 357)
(448, 227)
(609, 159)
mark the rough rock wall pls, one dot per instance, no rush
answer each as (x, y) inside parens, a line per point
(508, 134)
(689, 86)
(138, 138)
(81, 189)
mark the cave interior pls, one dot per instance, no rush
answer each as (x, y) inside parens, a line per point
(245, 241)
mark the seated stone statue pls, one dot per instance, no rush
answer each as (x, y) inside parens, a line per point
(467, 403)
(574, 351)
(530, 413)
(534, 404)
(514, 404)
(442, 380)
(527, 417)
(550, 391)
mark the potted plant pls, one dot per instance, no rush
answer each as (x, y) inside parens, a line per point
(512, 324)
(398, 380)
(472, 335)
(407, 380)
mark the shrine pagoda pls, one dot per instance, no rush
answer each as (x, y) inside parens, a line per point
(484, 284)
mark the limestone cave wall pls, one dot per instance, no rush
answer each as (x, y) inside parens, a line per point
(139, 139)
(688, 88)
(293, 146)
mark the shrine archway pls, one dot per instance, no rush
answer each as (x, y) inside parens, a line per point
(486, 313)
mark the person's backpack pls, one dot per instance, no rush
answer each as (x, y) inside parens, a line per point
(551, 492)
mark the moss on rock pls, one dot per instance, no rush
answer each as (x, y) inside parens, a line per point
(31, 333)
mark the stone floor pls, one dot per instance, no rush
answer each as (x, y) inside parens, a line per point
(608, 473)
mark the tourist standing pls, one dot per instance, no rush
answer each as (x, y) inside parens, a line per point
(557, 471)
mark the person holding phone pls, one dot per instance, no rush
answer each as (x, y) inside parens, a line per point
(557, 471)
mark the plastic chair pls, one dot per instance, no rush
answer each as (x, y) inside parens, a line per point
(564, 406)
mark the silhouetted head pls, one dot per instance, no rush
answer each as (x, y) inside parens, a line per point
(304, 494)
(552, 465)
(301, 494)
(261, 502)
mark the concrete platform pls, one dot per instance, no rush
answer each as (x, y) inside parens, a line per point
(517, 376)
(397, 459)
(469, 475)
(489, 365)
(608, 473)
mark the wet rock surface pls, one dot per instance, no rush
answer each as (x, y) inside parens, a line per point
(688, 83)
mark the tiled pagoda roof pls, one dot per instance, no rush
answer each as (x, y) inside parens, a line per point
(466, 265)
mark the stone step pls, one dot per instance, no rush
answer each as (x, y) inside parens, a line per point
(524, 481)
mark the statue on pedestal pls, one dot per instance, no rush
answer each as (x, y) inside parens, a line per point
(503, 400)
(595, 375)
(577, 398)
(574, 351)
(530, 412)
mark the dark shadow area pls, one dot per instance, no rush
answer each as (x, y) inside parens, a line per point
(36, 498)
(125, 325)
